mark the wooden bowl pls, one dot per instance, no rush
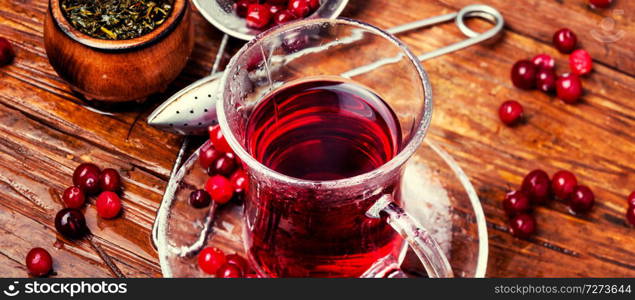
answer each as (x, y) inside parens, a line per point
(119, 70)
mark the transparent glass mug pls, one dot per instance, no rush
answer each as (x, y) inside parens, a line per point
(351, 227)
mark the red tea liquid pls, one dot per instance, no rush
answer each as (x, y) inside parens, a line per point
(320, 130)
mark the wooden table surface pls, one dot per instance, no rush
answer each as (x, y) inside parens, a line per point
(47, 131)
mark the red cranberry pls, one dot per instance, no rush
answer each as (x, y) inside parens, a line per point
(6, 52)
(241, 7)
(108, 205)
(254, 61)
(546, 80)
(522, 226)
(73, 197)
(218, 140)
(109, 180)
(258, 16)
(300, 8)
(86, 177)
(39, 262)
(562, 183)
(537, 186)
(630, 215)
(71, 223)
(229, 271)
(569, 88)
(252, 276)
(631, 199)
(600, 3)
(224, 165)
(314, 4)
(544, 61)
(200, 199)
(283, 16)
(565, 40)
(516, 202)
(510, 112)
(208, 155)
(238, 261)
(524, 74)
(582, 199)
(235, 158)
(580, 62)
(295, 42)
(274, 9)
(210, 260)
(219, 188)
(240, 181)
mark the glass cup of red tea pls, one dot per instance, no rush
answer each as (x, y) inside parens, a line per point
(324, 115)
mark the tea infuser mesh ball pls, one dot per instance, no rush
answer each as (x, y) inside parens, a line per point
(191, 110)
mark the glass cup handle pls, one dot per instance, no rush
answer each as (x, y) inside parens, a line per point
(418, 238)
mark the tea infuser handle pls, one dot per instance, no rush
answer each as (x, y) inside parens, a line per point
(418, 238)
(219, 54)
(476, 10)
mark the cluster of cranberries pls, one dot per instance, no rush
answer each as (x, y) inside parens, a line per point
(88, 180)
(537, 189)
(6, 52)
(262, 14)
(539, 73)
(227, 179)
(214, 262)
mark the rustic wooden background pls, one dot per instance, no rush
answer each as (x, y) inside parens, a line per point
(46, 131)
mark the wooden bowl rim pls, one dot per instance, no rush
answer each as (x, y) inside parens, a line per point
(175, 18)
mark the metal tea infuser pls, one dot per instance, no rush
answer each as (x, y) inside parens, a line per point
(192, 110)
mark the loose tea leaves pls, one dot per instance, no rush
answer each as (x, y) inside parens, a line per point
(116, 19)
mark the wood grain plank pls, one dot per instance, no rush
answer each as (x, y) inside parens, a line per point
(37, 164)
